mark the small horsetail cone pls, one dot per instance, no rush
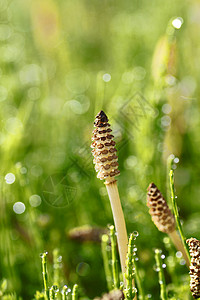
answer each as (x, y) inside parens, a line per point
(106, 164)
(159, 210)
(194, 247)
(163, 218)
(104, 151)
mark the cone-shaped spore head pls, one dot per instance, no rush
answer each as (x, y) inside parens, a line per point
(160, 213)
(194, 247)
(104, 151)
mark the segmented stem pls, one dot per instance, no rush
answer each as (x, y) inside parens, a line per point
(139, 283)
(44, 274)
(63, 292)
(163, 292)
(108, 273)
(130, 290)
(56, 267)
(115, 270)
(176, 214)
(75, 292)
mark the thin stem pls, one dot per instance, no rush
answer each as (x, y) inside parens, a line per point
(108, 273)
(44, 273)
(51, 293)
(139, 283)
(130, 290)
(120, 225)
(175, 209)
(163, 292)
(178, 243)
(63, 292)
(75, 292)
(114, 258)
(56, 267)
(170, 161)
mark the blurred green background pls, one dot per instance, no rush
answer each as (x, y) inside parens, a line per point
(61, 62)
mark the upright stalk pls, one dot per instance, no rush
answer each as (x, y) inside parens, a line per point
(130, 289)
(163, 292)
(106, 164)
(114, 258)
(104, 245)
(119, 221)
(44, 274)
(75, 292)
(184, 250)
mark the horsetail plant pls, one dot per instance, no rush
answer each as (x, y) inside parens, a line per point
(105, 160)
(129, 291)
(104, 247)
(44, 274)
(64, 292)
(116, 282)
(163, 218)
(75, 292)
(56, 266)
(180, 243)
(159, 269)
(194, 246)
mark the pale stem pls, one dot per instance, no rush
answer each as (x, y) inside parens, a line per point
(179, 245)
(120, 225)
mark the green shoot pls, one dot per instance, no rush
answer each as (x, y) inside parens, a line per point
(176, 214)
(130, 289)
(108, 273)
(56, 266)
(170, 161)
(159, 269)
(75, 292)
(114, 258)
(139, 283)
(44, 273)
(64, 292)
(51, 293)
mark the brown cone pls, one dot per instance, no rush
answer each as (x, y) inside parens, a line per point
(194, 246)
(159, 210)
(104, 151)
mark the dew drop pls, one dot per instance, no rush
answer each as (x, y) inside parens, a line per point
(136, 258)
(176, 160)
(157, 269)
(59, 259)
(177, 23)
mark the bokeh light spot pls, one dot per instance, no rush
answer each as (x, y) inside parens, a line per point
(82, 269)
(35, 200)
(19, 208)
(10, 178)
(106, 77)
